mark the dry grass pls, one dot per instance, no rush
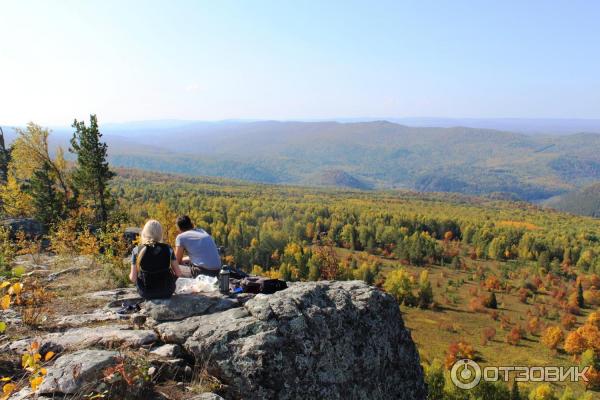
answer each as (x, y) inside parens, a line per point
(203, 382)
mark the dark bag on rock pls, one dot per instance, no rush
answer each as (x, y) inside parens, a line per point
(259, 284)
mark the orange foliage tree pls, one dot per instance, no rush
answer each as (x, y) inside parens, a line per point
(457, 351)
(514, 336)
(575, 343)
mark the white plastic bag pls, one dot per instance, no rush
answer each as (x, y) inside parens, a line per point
(201, 283)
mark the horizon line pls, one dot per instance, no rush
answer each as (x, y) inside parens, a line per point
(310, 119)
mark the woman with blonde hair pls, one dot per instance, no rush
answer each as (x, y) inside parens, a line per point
(154, 268)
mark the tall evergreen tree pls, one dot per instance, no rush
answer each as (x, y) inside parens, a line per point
(92, 173)
(580, 299)
(514, 392)
(4, 158)
(491, 301)
(46, 200)
(425, 294)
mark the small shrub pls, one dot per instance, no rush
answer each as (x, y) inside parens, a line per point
(514, 336)
(534, 325)
(568, 321)
(457, 351)
(129, 378)
(476, 305)
(487, 335)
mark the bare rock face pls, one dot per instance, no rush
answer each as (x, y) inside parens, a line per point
(88, 318)
(72, 373)
(206, 396)
(107, 336)
(167, 351)
(325, 340)
(187, 305)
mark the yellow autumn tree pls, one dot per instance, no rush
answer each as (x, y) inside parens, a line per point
(15, 202)
(398, 284)
(594, 319)
(552, 337)
(30, 152)
(167, 216)
(542, 392)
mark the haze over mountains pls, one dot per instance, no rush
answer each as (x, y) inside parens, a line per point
(370, 154)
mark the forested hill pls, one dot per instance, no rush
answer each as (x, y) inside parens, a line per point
(376, 154)
(585, 201)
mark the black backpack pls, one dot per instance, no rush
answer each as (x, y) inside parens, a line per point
(155, 277)
(259, 284)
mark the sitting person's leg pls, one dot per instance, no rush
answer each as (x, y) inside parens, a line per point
(200, 270)
(193, 271)
(186, 271)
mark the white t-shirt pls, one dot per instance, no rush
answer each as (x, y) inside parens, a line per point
(201, 248)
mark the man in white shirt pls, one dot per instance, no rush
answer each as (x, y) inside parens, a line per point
(201, 248)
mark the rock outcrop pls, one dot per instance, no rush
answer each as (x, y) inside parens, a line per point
(187, 305)
(30, 227)
(78, 371)
(325, 340)
(111, 336)
(321, 340)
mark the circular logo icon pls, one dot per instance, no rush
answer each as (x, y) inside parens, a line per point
(465, 374)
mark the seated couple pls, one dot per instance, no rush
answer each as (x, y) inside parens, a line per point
(155, 266)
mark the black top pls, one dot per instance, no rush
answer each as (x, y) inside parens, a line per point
(155, 279)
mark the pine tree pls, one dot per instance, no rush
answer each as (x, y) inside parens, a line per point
(514, 392)
(580, 300)
(92, 173)
(46, 201)
(4, 159)
(425, 294)
(456, 262)
(491, 301)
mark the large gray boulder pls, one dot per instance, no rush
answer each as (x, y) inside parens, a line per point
(322, 340)
(183, 306)
(77, 372)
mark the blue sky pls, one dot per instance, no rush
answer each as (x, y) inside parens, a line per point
(211, 60)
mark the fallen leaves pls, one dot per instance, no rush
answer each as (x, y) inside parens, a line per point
(5, 302)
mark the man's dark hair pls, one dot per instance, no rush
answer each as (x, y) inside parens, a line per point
(184, 223)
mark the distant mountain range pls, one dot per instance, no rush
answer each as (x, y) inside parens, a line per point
(531, 126)
(371, 154)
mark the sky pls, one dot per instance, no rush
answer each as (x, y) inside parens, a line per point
(211, 60)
